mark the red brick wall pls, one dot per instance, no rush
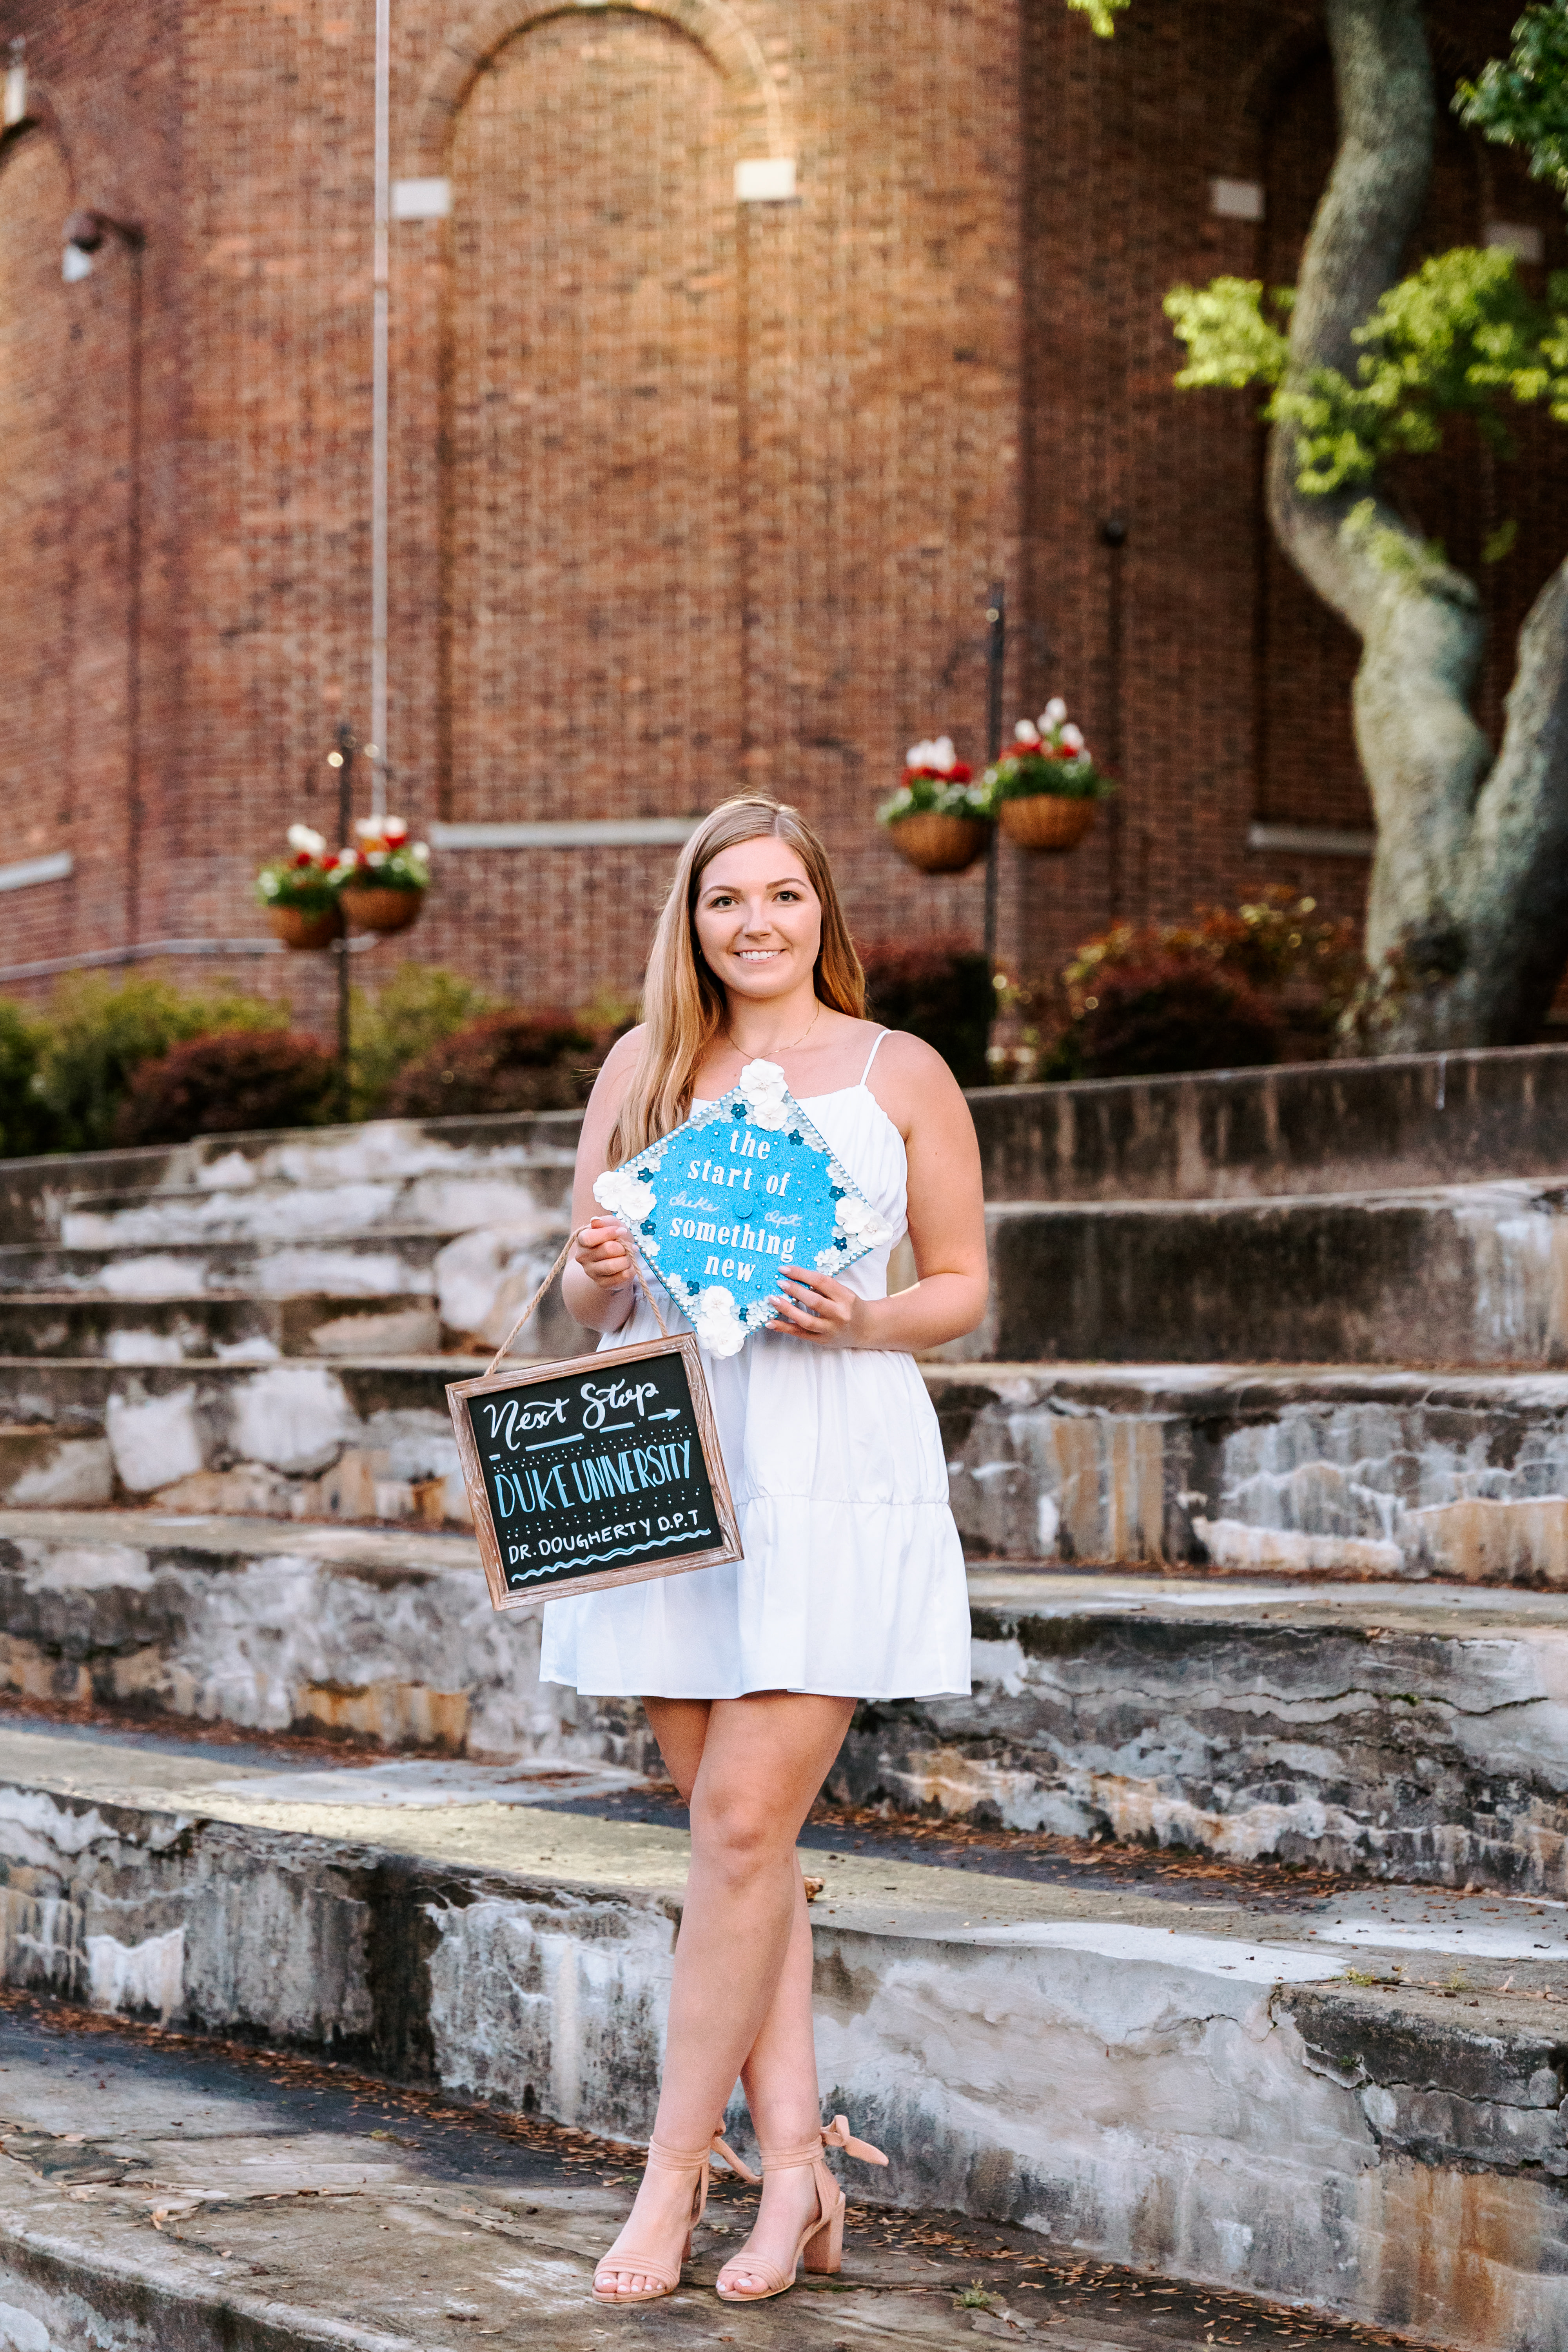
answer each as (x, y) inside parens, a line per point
(683, 493)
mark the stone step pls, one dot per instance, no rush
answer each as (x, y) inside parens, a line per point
(1403, 1731)
(1317, 1128)
(1303, 1128)
(530, 1200)
(1249, 1468)
(1470, 1275)
(63, 1323)
(477, 1278)
(1234, 1469)
(353, 1439)
(182, 2195)
(1352, 2098)
(34, 1193)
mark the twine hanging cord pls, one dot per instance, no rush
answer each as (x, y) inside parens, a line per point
(565, 1253)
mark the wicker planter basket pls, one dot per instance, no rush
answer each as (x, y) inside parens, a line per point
(302, 929)
(939, 844)
(372, 909)
(1046, 821)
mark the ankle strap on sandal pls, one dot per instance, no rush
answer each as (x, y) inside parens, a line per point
(837, 2135)
(678, 2159)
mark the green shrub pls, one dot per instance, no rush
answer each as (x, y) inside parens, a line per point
(507, 1061)
(26, 1124)
(940, 990)
(417, 1007)
(99, 1031)
(228, 1085)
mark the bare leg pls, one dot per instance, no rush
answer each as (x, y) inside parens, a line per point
(760, 1761)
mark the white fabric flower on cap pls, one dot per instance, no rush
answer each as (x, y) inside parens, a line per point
(623, 1195)
(716, 1323)
(767, 1092)
(858, 1220)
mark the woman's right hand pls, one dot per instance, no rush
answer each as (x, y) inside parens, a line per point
(604, 1254)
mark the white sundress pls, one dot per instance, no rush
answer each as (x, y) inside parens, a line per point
(852, 1583)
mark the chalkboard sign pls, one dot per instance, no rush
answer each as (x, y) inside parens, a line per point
(605, 1470)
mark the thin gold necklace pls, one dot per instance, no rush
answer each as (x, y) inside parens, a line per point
(782, 1049)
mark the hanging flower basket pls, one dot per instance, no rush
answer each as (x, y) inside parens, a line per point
(1045, 822)
(300, 929)
(939, 844)
(1044, 787)
(937, 819)
(382, 880)
(299, 894)
(371, 907)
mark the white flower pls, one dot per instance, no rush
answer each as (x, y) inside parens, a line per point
(946, 757)
(825, 1260)
(718, 1326)
(762, 1082)
(300, 836)
(420, 852)
(1055, 711)
(771, 1114)
(1073, 738)
(1027, 731)
(858, 1221)
(376, 857)
(623, 1195)
(919, 755)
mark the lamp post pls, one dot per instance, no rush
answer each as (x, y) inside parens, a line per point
(342, 760)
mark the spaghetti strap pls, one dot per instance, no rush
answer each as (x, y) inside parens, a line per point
(871, 1057)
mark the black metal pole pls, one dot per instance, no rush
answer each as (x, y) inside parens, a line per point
(995, 658)
(345, 764)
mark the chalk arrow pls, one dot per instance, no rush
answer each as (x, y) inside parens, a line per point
(673, 1413)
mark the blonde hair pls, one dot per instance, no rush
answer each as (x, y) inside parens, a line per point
(683, 1006)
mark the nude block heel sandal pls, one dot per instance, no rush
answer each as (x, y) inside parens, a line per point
(699, 2163)
(821, 2241)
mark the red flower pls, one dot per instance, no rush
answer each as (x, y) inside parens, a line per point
(303, 857)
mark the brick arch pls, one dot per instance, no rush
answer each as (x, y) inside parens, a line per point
(730, 46)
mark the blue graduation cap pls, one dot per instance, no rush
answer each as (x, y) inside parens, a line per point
(745, 1187)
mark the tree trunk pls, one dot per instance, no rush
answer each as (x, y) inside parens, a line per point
(1467, 914)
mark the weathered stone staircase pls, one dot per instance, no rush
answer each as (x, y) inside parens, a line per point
(1262, 1464)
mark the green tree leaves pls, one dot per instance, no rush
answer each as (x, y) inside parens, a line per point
(1460, 337)
(1101, 14)
(1521, 100)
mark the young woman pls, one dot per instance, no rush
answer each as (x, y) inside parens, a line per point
(852, 1585)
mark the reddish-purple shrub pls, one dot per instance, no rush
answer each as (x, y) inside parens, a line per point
(240, 1080)
(506, 1061)
(1174, 1012)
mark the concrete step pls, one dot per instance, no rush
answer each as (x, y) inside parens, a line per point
(1241, 1470)
(529, 1200)
(1349, 2099)
(1307, 1127)
(477, 1278)
(64, 1323)
(1415, 1732)
(179, 2196)
(1472, 1275)
(1249, 1468)
(36, 1193)
(342, 1439)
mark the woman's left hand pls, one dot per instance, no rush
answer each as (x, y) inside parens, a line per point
(813, 1306)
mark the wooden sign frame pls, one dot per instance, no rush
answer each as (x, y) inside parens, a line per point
(502, 1596)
